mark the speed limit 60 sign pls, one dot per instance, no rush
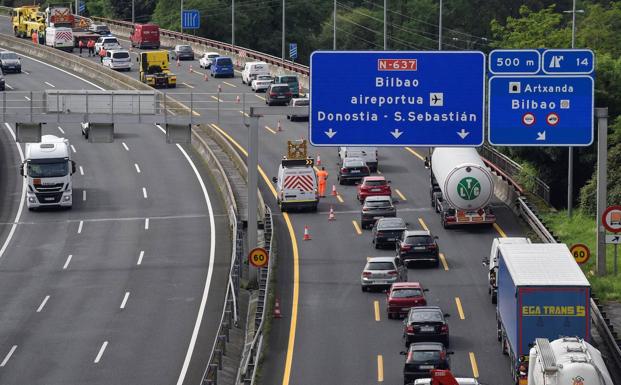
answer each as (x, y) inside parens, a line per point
(258, 257)
(580, 252)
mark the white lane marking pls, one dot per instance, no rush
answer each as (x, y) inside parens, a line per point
(146, 223)
(81, 171)
(161, 129)
(187, 85)
(26, 72)
(43, 304)
(8, 86)
(8, 356)
(73, 149)
(124, 302)
(125, 146)
(67, 262)
(144, 192)
(137, 168)
(80, 227)
(140, 258)
(102, 349)
(50, 84)
(27, 98)
(61, 130)
(229, 84)
(212, 251)
(83, 195)
(22, 200)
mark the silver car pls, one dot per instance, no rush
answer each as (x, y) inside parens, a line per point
(299, 102)
(10, 62)
(381, 272)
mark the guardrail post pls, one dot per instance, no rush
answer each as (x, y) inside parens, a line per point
(219, 355)
(223, 338)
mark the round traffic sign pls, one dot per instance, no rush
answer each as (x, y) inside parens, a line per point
(258, 257)
(552, 119)
(580, 252)
(611, 219)
(528, 119)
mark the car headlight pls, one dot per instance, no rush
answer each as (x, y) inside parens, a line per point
(31, 199)
(67, 198)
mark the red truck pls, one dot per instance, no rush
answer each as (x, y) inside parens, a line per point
(145, 36)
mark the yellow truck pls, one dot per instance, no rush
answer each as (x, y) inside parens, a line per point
(155, 69)
(26, 20)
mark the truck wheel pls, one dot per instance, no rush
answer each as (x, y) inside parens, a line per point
(503, 342)
(444, 222)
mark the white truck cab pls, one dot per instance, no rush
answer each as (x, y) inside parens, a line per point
(48, 168)
(493, 262)
(296, 185)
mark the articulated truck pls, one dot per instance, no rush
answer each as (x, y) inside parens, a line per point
(48, 168)
(542, 293)
(461, 187)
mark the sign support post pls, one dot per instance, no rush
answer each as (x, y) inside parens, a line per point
(253, 162)
(602, 182)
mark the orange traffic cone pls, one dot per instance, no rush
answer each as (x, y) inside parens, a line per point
(206, 77)
(307, 236)
(318, 160)
(191, 68)
(237, 99)
(331, 217)
(279, 127)
(277, 309)
(333, 191)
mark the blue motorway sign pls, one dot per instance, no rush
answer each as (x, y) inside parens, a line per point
(541, 110)
(191, 19)
(399, 98)
(568, 61)
(293, 50)
(519, 61)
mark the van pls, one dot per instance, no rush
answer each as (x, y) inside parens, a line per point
(253, 69)
(118, 59)
(59, 37)
(222, 66)
(291, 81)
(493, 262)
(368, 154)
(100, 29)
(145, 36)
(296, 185)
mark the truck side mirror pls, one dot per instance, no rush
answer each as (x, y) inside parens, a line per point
(485, 262)
(426, 162)
(21, 170)
(274, 179)
(72, 167)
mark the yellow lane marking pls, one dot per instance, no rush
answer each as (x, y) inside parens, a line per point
(377, 310)
(473, 363)
(400, 195)
(270, 130)
(443, 260)
(296, 266)
(229, 84)
(416, 154)
(356, 227)
(460, 310)
(380, 368)
(338, 197)
(499, 230)
(218, 99)
(187, 85)
(245, 114)
(422, 223)
(259, 96)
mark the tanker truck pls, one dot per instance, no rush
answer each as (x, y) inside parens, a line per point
(461, 187)
(568, 360)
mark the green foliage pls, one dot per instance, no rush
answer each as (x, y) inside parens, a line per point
(528, 176)
(543, 29)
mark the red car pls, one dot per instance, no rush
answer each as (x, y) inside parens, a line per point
(372, 186)
(402, 296)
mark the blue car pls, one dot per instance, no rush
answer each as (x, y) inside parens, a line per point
(222, 66)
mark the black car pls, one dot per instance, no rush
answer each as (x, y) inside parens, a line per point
(10, 62)
(278, 94)
(352, 170)
(421, 358)
(426, 324)
(418, 246)
(376, 207)
(387, 231)
(183, 52)
(2, 82)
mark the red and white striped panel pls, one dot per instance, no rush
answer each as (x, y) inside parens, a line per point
(64, 35)
(303, 182)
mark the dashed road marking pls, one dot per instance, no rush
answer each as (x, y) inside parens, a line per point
(146, 223)
(43, 304)
(229, 84)
(377, 310)
(8, 356)
(67, 262)
(61, 130)
(460, 310)
(443, 260)
(137, 168)
(270, 130)
(125, 298)
(422, 223)
(416, 154)
(473, 363)
(102, 349)
(73, 149)
(187, 85)
(499, 230)
(356, 227)
(50, 84)
(401, 196)
(380, 368)
(125, 146)
(140, 257)
(338, 197)
(81, 171)
(80, 227)
(144, 192)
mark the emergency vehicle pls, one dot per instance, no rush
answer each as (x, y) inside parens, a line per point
(296, 183)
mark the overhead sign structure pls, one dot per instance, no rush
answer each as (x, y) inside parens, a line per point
(258, 257)
(541, 98)
(611, 219)
(191, 19)
(400, 98)
(580, 252)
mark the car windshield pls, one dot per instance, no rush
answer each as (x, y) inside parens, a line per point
(380, 266)
(374, 203)
(49, 168)
(425, 316)
(120, 55)
(185, 48)
(425, 355)
(264, 77)
(375, 182)
(353, 163)
(225, 62)
(288, 79)
(280, 89)
(419, 240)
(302, 102)
(8, 55)
(406, 293)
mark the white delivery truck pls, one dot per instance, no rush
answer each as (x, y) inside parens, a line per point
(296, 183)
(568, 360)
(254, 69)
(48, 168)
(492, 262)
(59, 37)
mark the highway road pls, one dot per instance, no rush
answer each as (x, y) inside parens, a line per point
(128, 286)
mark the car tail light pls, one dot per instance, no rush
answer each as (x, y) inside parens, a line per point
(432, 246)
(380, 233)
(367, 170)
(422, 302)
(272, 94)
(409, 329)
(365, 209)
(405, 247)
(343, 169)
(366, 274)
(392, 272)
(444, 329)
(288, 93)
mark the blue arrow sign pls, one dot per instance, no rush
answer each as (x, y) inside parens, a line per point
(191, 19)
(541, 110)
(568, 61)
(82, 7)
(397, 98)
(520, 61)
(293, 50)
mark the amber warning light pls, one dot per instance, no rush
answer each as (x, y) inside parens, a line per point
(396, 64)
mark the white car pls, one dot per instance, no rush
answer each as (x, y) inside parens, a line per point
(261, 83)
(118, 59)
(107, 43)
(207, 59)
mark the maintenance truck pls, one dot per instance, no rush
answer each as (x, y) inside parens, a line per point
(296, 183)
(48, 168)
(26, 20)
(567, 360)
(461, 187)
(542, 293)
(155, 69)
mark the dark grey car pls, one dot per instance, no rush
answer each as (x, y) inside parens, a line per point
(418, 246)
(376, 207)
(387, 231)
(421, 358)
(278, 94)
(352, 170)
(184, 52)
(10, 62)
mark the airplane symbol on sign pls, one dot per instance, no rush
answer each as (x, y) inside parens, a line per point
(437, 98)
(555, 62)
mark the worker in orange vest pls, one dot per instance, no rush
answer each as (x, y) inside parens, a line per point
(35, 37)
(102, 54)
(322, 176)
(91, 47)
